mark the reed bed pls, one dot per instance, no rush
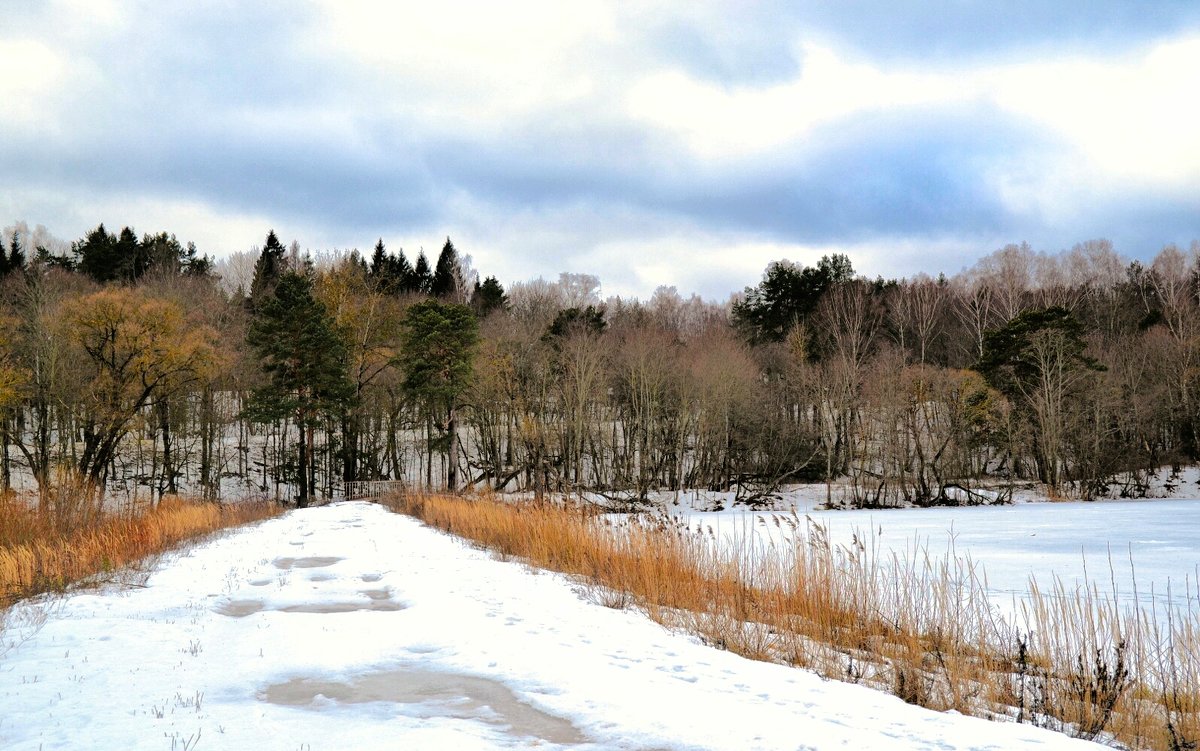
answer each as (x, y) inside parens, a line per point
(917, 625)
(42, 552)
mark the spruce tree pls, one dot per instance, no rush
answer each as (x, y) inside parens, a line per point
(130, 261)
(267, 270)
(380, 270)
(97, 255)
(446, 273)
(304, 359)
(163, 252)
(402, 270)
(16, 255)
(422, 277)
(488, 296)
(4, 267)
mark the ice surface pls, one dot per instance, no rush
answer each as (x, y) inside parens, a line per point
(1135, 550)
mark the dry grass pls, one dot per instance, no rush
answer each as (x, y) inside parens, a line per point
(918, 626)
(49, 552)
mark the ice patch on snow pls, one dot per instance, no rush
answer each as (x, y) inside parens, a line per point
(313, 561)
(432, 694)
(377, 600)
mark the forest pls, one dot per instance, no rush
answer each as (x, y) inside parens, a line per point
(136, 365)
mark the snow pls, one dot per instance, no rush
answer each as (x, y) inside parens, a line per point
(346, 626)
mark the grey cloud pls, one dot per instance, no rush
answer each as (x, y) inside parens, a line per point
(756, 43)
(225, 106)
(915, 171)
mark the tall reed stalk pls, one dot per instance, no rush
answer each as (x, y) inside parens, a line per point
(42, 552)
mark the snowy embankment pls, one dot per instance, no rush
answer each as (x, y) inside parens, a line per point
(350, 627)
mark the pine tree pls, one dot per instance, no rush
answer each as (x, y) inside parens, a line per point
(787, 295)
(267, 270)
(446, 273)
(4, 267)
(439, 347)
(589, 320)
(304, 359)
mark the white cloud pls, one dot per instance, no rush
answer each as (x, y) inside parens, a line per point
(458, 63)
(718, 122)
(215, 230)
(30, 72)
(1133, 118)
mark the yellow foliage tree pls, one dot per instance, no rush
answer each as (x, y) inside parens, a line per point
(134, 348)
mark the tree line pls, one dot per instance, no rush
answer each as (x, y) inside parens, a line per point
(125, 366)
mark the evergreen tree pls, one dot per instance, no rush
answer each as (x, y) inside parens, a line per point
(788, 294)
(1012, 362)
(304, 359)
(386, 272)
(106, 258)
(446, 273)
(4, 264)
(130, 257)
(48, 259)
(405, 276)
(161, 251)
(380, 270)
(194, 264)
(589, 320)
(422, 276)
(16, 254)
(439, 347)
(97, 255)
(267, 270)
(1039, 361)
(488, 296)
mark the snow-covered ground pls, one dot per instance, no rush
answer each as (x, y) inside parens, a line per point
(348, 627)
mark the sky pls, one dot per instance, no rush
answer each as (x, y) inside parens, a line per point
(648, 143)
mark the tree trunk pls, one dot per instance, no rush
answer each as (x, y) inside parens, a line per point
(302, 501)
(164, 421)
(452, 459)
(6, 469)
(312, 464)
(429, 451)
(349, 447)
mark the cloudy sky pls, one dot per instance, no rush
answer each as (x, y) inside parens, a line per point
(685, 143)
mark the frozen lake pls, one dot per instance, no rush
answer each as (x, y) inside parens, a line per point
(1155, 543)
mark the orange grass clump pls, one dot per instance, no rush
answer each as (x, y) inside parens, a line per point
(918, 626)
(39, 555)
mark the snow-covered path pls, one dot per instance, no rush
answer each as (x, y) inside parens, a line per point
(348, 627)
